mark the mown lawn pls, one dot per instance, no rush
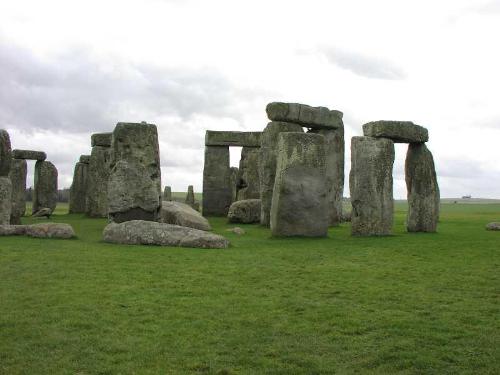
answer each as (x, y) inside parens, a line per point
(410, 303)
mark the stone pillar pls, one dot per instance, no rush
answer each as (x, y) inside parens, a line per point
(190, 196)
(299, 203)
(45, 191)
(167, 193)
(267, 163)
(98, 176)
(248, 184)
(371, 186)
(234, 183)
(423, 189)
(217, 191)
(5, 153)
(18, 173)
(335, 146)
(5, 200)
(134, 187)
(79, 188)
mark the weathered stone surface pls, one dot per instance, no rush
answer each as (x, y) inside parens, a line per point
(182, 214)
(45, 190)
(335, 146)
(346, 216)
(132, 194)
(305, 115)
(493, 226)
(397, 131)
(245, 211)
(234, 178)
(101, 139)
(13, 230)
(217, 190)
(50, 230)
(190, 196)
(17, 175)
(85, 159)
(135, 163)
(423, 189)
(371, 186)
(43, 212)
(299, 205)
(79, 189)
(167, 194)
(5, 200)
(232, 138)
(29, 155)
(248, 181)
(5, 153)
(139, 232)
(267, 164)
(97, 183)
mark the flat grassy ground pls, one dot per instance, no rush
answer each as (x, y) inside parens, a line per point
(410, 303)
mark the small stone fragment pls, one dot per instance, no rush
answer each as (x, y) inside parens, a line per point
(493, 226)
(50, 230)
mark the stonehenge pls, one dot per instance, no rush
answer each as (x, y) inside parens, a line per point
(78, 190)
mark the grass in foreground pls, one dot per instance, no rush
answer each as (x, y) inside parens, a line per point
(410, 303)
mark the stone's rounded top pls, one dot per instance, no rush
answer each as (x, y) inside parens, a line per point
(29, 154)
(85, 159)
(101, 139)
(398, 131)
(305, 115)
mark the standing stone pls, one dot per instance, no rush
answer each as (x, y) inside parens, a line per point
(371, 187)
(45, 191)
(248, 184)
(423, 189)
(267, 163)
(97, 183)
(234, 183)
(5, 200)
(299, 204)
(190, 196)
(5, 153)
(134, 189)
(334, 172)
(18, 173)
(78, 189)
(217, 191)
(167, 194)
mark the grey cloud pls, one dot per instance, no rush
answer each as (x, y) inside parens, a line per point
(363, 65)
(487, 8)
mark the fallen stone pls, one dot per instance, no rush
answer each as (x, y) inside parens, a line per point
(98, 176)
(232, 138)
(183, 215)
(5, 200)
(299, 205)
(29, 155)
(50, 230)
(85, 159)
(236, 230)
(45, 191)
(493, 226)
(397, 131)
(79, 189)
(305, 115)
(43, 212)
(371, 186)
(422, 188)
(267, 164)
(17, 175)
(217, 190)
(12, 230)
(5, 153)
(101, 139)
(248, 179)
(244, 211)
(140, 232)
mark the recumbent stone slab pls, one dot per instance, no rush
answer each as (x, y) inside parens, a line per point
(371, 186)
(232, 138)
(101, 139)
(305, 115)
(29, 155)
(17, 175)
(397, 131)
(423, 189)
(45, 190)
(299, 204)
(178, 213)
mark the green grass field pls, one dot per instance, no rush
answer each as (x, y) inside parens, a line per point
(409, 303)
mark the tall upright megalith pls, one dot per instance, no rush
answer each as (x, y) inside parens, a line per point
(134, 187)
(18, 174)
(190, 196)
(423, 189)
(5, 183)
(217, 190)
(98, 175)
(45, 190)
(371, 186)
(167, 193)
(267, 163)
(79, 187)
(299, 204)
(5, 153)
(248, 179)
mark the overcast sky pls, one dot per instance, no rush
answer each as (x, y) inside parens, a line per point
(72, 68)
